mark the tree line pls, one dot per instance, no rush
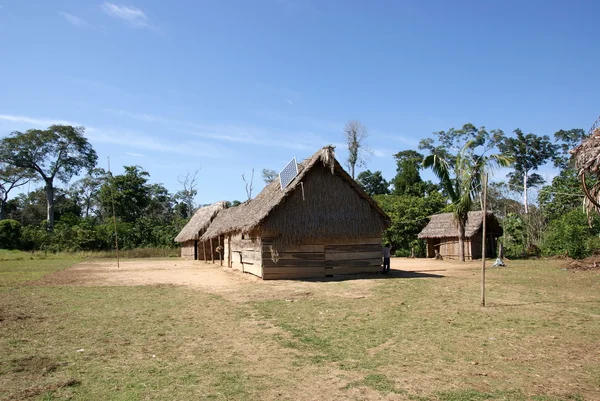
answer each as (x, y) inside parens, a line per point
(552, 223)
(80, 217)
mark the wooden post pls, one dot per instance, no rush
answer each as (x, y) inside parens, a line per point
(221, 253)
(483, 242)
(212, 252)
(229, 262)
(204, 249)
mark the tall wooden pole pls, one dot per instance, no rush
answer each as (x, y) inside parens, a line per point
(485, 178)
(204, 249)
(212, 252)
(112, 196)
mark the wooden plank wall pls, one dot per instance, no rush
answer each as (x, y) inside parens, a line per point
(326, 258)
(245, 254)
(187, 250)
(449, 248)
(301, 261)
(353, 256)
(215, 244)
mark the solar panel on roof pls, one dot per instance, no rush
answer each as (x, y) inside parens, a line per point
(288, 173)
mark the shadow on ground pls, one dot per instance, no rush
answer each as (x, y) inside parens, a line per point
(375, 276)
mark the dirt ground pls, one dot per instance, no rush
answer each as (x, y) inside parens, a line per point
(214, 278)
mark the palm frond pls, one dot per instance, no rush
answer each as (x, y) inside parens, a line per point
(441, 168)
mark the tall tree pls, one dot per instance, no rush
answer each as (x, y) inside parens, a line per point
(528, 152)
(408, 179)
(11, 177)
(131, 194)
(355, 134)
(87, 190)
(269, 176)
(373, 183)
(189, 191)
(460, 173)
(566, 140)
(249, 184)
(60, 152)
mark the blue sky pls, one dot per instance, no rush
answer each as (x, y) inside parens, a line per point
(227, 86)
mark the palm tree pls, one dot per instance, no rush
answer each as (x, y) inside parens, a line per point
(465, 186)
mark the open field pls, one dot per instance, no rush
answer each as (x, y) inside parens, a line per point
(173, 329)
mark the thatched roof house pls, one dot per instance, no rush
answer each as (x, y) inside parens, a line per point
(587, 161)
(321, 223)
(200, 221)
(441, 234)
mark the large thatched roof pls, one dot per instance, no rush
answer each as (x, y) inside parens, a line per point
(249, 215)
(587, 161)
(587, 154)
(443, 225)
(199, 222)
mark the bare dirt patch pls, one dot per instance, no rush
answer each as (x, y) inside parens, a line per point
(213, 278)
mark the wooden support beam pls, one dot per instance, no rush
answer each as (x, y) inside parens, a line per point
(212, 252)
(221, 253)
(204, 248)
(229, 263)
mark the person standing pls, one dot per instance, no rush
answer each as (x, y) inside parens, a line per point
(387, 250)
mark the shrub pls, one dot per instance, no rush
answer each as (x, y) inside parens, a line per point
(10, 234)
(571, 235)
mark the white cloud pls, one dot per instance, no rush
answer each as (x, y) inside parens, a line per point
(134, 154)
(379, 153)
(44, 123)
(75, 20)
(289, 101)
(131, 15)
(126, 138)
(139, 140)
(230, 133)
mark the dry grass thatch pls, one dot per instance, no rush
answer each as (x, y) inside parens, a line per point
(587, 154)
(200, 222)
(321, 192)
(587, 161)
(443, 225)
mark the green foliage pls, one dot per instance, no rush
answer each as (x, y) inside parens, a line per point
(59, 152)
(560, 197)
(408, 179)
(566, 140)
(130, 193)
(409, 216)
(571, 234)
(373, 183)
(515, 236)
(528, 153)
(269, 176)
(461, 174)
(10, 234)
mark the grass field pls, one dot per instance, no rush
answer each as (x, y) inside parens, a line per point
(415, 337)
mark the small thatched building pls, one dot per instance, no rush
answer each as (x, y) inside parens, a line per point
(441, 234)
(322, 223)
(189, 235)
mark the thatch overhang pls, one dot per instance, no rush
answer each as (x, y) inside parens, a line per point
(587, 154)
(443, 225)
(587, 161)
(199, 222)
(251, 214)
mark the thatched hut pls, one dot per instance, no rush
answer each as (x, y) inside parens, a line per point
(441, 235)
(587, 161)
(190, 234)
(322, 223)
